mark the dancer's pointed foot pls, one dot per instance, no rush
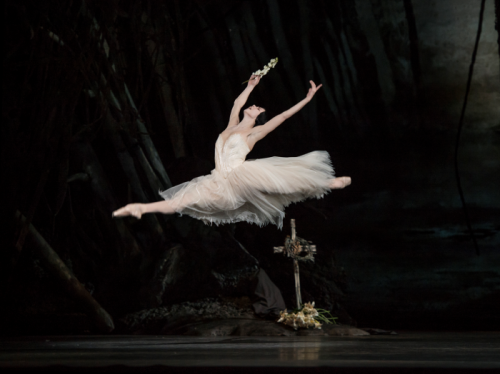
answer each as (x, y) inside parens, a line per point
(135, 210)
(340, 182)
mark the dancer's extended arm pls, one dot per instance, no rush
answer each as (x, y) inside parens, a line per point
(260, 132)
(234, 119)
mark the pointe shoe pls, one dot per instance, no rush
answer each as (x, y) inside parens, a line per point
(129, 210)
(340, 182)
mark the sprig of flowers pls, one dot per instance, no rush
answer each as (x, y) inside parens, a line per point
(265, 69)
(307, 316)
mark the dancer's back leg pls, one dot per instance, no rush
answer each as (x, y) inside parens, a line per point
(164, 207)
(138, 209)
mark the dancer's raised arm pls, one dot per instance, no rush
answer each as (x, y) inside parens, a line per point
(260, 132)
(240, 101)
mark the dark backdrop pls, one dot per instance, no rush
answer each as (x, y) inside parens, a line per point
(106, 102)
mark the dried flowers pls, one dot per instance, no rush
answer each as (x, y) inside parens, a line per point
(306, 317)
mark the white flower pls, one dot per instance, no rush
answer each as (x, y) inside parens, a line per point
(266, 68)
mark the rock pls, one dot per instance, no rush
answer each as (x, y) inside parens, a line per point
(310, 332)
(265, 328)
(372, 331)
(233, 327)
(219, 317)
(342, 330)
(166, 318)
(257, 327)
(223, 266)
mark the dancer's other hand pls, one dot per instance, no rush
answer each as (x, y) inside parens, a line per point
(129, 210)
(254, 80)
(312, 90)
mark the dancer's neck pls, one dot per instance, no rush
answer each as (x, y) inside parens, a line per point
(246, 123)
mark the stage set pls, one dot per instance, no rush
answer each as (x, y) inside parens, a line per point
(251, 186)
(408, 352)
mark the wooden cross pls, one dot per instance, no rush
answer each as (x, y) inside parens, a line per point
(300, 250)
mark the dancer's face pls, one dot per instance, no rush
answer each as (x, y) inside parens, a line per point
(253, 111)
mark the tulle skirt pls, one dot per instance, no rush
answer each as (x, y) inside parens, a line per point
(257, 191)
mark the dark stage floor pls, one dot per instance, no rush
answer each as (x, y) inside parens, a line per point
(409, 352)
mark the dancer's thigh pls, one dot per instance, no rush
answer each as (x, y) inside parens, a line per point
(185, 200)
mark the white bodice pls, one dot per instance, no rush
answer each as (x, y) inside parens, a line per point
(257, 191)
(231, 154)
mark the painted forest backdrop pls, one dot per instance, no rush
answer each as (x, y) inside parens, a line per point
(107, 102)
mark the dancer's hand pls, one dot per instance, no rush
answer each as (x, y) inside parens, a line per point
(129, 210)
(312, 90)
(254, 80)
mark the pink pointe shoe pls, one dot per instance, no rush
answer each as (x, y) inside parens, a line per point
(129, 210)
(340, 182)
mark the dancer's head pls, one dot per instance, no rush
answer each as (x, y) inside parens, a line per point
(253, 112)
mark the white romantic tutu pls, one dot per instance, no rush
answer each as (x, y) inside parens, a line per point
(255, 191)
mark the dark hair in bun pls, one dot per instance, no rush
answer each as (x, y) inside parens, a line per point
(261, 119)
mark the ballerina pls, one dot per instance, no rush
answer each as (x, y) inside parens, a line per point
(255, 191)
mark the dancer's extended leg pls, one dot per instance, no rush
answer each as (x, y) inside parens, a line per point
(340, 182)
(137, 210)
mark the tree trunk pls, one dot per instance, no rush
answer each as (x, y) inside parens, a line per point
(149, 147)
(128, 167)
(157, 55)
(393, 25)
(55, 266)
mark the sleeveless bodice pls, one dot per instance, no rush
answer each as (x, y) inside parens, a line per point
(257, 191)
(231, 154)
